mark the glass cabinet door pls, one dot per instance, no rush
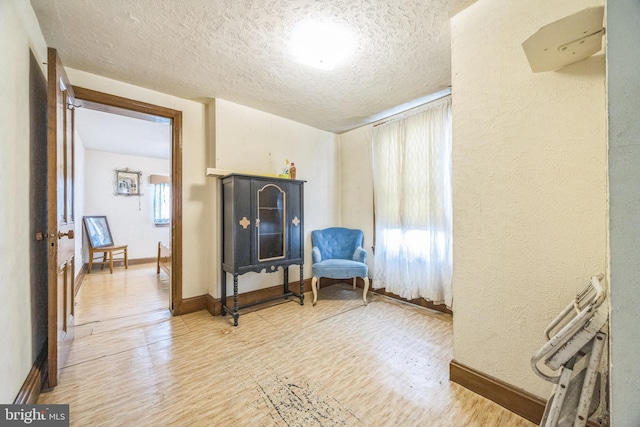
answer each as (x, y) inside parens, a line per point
(271, 220)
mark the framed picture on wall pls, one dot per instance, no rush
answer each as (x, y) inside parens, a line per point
(127, 182)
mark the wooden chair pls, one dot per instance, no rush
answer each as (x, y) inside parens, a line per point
(101, 245)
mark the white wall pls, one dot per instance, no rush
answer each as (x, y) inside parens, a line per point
(255, 142)
(623, 84)
(130, 217)
(18, 33)
(356, 185)
(197, 234)
(529, 186)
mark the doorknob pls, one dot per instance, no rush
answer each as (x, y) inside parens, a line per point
(39, 235)
(69, 234)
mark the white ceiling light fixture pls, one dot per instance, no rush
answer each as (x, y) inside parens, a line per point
(322, 44)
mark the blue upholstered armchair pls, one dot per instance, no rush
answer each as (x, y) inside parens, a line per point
(337, 254)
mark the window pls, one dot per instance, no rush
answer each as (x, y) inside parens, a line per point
(161, 203)
(412, 193)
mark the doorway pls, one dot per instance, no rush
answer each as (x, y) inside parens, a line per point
(103, 102)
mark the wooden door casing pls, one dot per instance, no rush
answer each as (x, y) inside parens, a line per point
(60, 216)
(88, 98)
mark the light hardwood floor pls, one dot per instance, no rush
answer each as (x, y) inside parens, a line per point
(337, 364)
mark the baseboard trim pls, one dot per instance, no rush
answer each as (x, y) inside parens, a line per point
(360, 284)
(418, 301)
(80, 277)
(214, 305)
(30, 390)
(190, 305)
(136, 261)
(120, 263)
(514, 399)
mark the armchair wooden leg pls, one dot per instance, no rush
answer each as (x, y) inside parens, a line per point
(366, 288)
(314, 288)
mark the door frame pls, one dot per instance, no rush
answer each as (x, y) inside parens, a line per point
(105, 102)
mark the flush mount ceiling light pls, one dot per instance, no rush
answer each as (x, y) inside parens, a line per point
(322, 45)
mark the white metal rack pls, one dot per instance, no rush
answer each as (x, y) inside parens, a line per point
(574, 347)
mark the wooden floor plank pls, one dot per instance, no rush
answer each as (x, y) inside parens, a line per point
(339, 363)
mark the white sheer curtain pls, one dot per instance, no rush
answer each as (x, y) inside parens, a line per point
(412, 192)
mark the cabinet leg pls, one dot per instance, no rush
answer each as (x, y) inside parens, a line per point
(235, 300)
(223, 293)
(301, 286)
(286, 279)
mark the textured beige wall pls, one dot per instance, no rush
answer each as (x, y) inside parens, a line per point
(255, 142)
(197, 237)
(529, 185)
(356, 185)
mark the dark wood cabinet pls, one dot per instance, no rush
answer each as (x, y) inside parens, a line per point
(262, 221)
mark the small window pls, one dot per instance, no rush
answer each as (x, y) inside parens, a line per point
(161, 204)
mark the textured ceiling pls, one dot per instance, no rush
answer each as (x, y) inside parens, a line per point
(239, 50)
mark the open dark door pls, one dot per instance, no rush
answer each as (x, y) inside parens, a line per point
(60, 218)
